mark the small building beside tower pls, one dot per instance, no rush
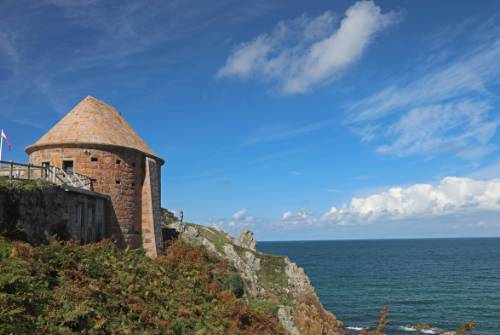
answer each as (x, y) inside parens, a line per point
(94, 140)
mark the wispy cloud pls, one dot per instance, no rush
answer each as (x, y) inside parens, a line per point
(448, 107)
(469, 74)
(279, 155)
(487, 172)
(279, 133)
(462, 127)
(308, 51)
(8, 50)
(97, 35)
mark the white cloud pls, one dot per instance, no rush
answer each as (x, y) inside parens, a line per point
(238, 220)
(247, 57)
(452, 195)
(240, 214)
(302, 218)
(304, 52)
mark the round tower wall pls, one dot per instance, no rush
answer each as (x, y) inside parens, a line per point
(117, 172)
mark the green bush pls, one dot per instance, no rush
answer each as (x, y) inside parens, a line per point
(234, 283)
(100, 289)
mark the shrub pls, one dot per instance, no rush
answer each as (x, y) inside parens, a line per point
(65, 288)
(234, 283)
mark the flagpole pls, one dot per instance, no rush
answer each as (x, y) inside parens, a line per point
(1, 144)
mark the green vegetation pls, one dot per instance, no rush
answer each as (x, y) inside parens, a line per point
(234, 283)
(100, 289)
(218, 238)
(168, 217)
(272, 274)
(265, 306)
(25, 185)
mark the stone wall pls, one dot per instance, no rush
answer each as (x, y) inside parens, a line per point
(155, 175)
(151, 209)
(116, 172)
(41, 212)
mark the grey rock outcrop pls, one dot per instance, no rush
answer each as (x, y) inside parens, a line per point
(273, 279)
(286, 319)
(297, 278)
(246, 240)
(247, 265)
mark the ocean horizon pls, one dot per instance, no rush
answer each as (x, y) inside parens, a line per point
(382, 239)
(442, 282)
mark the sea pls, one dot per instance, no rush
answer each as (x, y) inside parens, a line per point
(440, 282)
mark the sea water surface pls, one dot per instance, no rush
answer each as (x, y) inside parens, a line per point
(442, 282)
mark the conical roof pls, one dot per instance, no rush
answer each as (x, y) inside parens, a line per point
(93, 122)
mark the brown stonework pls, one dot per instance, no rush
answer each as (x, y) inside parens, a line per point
(65, 212)
(151, 237)
(117, 161)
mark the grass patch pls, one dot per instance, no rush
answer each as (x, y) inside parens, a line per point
(218, 238)
(272, 272)
(266, 306)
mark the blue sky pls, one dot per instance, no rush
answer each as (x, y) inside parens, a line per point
(299, 120)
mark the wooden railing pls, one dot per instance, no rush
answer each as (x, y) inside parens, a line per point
(19, 171)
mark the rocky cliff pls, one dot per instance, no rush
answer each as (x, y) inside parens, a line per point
(272, 282)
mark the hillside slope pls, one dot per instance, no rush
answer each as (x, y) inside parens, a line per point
(100, 289)
(273, 282)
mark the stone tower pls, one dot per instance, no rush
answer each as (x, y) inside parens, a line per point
(93, 139)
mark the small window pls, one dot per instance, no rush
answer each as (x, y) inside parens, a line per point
(118, 161)
(93, 159)
(67, 166)
(118, 182)
(133, 184)
(94, 181)
(133, 164)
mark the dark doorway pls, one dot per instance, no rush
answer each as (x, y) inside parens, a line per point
(45, 170)
(68, 167)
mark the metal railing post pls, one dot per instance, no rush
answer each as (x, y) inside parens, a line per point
(29, 171)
